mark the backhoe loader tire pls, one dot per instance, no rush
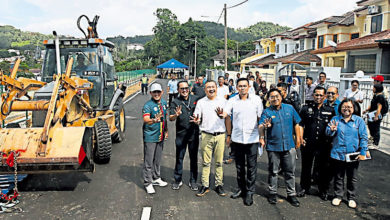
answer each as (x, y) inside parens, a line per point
(103, 145)
(120, 121)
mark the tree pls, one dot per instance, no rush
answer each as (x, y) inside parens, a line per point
(5, 66)
(165, 33)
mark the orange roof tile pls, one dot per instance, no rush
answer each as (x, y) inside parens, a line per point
(365, 42)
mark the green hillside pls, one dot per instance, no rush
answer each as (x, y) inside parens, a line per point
(263, 29)
(11, 37)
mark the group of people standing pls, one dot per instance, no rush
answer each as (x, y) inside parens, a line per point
(328, 131)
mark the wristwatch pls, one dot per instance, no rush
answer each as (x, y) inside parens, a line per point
(262, 137)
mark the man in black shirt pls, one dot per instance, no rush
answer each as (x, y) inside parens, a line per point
(315, 117)
(198, 89)
(187, 133)
(291, 98)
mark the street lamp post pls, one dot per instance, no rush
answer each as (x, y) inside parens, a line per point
(196, 42)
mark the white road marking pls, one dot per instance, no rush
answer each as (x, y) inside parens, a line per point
(130, 117)
(132, 97)
(146, 213)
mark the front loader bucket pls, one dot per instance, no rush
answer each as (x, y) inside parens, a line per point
(68, 149)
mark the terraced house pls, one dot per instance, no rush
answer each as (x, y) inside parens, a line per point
(361, 42)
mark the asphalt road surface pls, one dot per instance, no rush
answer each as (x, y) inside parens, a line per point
(115, 190)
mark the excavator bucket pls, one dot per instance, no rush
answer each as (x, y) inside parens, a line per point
(68, 149)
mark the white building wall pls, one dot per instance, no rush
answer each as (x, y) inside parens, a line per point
(282, 42)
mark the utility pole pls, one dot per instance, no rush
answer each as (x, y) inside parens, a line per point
(196, 42)
(237, 52)
(225, 15)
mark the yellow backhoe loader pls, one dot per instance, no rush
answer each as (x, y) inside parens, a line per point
(77, 109)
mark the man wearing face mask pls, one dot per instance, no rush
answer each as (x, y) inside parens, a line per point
(155, 130)
(187, 134)
(315, 144)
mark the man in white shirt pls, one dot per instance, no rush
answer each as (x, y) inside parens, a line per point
(213, 131)
(246, 110)
(222, 89)
(354, 93)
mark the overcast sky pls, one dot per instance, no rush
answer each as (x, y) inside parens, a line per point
(135, 17)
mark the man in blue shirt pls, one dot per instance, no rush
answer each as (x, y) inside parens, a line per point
(172, 89)
(155, 130)
(280, 120)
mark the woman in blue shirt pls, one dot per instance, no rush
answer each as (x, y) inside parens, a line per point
(349, 134)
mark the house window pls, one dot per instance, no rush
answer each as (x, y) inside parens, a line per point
(277, 48)
(355, 35)
(321, 41)
(301, 44)
(285, 48)
(376, 23)
(366, 63)
(335, 38)
(313, 44)
(267, 50)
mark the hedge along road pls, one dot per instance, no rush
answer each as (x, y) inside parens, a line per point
(115, 190)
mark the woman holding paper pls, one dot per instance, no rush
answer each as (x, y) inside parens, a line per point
(374, 115)
(349, 134)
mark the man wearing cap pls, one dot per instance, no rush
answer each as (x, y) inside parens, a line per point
(155, 130)
(379, 80)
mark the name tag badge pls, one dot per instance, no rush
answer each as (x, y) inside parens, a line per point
(273, 116)
(155, 109)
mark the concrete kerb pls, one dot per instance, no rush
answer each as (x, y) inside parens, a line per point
(384, 144)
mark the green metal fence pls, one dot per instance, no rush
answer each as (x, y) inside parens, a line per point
(131, 76)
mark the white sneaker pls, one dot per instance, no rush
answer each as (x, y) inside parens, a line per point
(150, 189)
(159, 182)
(352, 204)
(336, 201)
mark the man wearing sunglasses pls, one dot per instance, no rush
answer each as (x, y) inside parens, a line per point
(187, 134)
(332, 95)
(315, 144)
(155, 130)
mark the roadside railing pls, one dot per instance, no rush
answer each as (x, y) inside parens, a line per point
(132, 77)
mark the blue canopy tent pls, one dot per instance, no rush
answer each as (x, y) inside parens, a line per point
(172, 64)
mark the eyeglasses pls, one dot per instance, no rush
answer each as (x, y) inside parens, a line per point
(185, 88)
(347, 107)
(242, 86)
(322, 76)
(274, 97)
(331, 93)
(318, 95)
(158, 92)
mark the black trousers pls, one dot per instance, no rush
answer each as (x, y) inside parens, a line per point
(342, 168)
(171, 97)
(316, 162)
(181, 146)
(374, 127)
(246, 153)
(144, 88)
